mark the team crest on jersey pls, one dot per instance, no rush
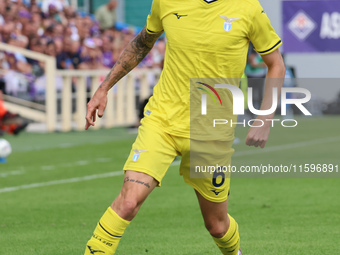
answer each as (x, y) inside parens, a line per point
(228, 22)
(135, 156)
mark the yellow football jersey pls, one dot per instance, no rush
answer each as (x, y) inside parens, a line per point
(205, 39)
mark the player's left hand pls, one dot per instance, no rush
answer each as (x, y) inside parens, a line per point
(258, 136)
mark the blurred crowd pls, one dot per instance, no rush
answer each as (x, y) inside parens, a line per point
(76, 39)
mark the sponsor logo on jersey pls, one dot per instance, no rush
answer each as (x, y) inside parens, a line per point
(137, 153)
(179, 16)
(228, 22)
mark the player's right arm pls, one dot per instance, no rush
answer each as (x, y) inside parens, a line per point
(131, 56)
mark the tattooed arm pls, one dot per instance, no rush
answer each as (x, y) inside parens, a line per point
(131, 56)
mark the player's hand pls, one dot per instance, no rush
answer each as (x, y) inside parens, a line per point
(258, 136)
(97, 102)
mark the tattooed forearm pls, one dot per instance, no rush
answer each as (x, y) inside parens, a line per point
(131, 56)
(127, 179)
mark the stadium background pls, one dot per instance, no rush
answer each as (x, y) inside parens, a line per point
(55, 186)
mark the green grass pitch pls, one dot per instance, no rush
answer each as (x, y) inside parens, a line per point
(55, 187)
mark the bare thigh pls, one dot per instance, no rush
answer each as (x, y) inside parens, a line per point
(136, 188)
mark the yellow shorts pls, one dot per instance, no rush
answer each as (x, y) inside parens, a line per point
(154, 151)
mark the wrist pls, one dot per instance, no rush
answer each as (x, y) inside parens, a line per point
(103, 89)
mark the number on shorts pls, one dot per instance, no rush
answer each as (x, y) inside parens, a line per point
(214, 180)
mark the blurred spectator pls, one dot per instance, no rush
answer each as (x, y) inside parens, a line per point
(56, 5)
(106, 14)
(107, 49)
(58, 42)
(70, 57)
(37, 45)
(7, 29)
(91, 55)
(51, 49)
(83, 25)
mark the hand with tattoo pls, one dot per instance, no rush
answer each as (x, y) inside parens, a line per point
(131, 56)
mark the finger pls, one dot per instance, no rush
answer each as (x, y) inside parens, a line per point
(263, 144)
(89, 117)
(100, 112)
(248, 141)
(251, 141)
(88, 124)
(88, 114)
(257, 144)
(94, 118)
(89, 120)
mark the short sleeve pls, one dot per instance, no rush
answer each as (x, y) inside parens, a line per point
(262, 34)
(154, 22)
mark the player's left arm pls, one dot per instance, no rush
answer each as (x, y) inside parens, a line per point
(258, 136)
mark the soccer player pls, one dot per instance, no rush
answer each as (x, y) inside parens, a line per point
(205, 39)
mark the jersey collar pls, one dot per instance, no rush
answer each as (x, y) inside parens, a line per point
(210, 1)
